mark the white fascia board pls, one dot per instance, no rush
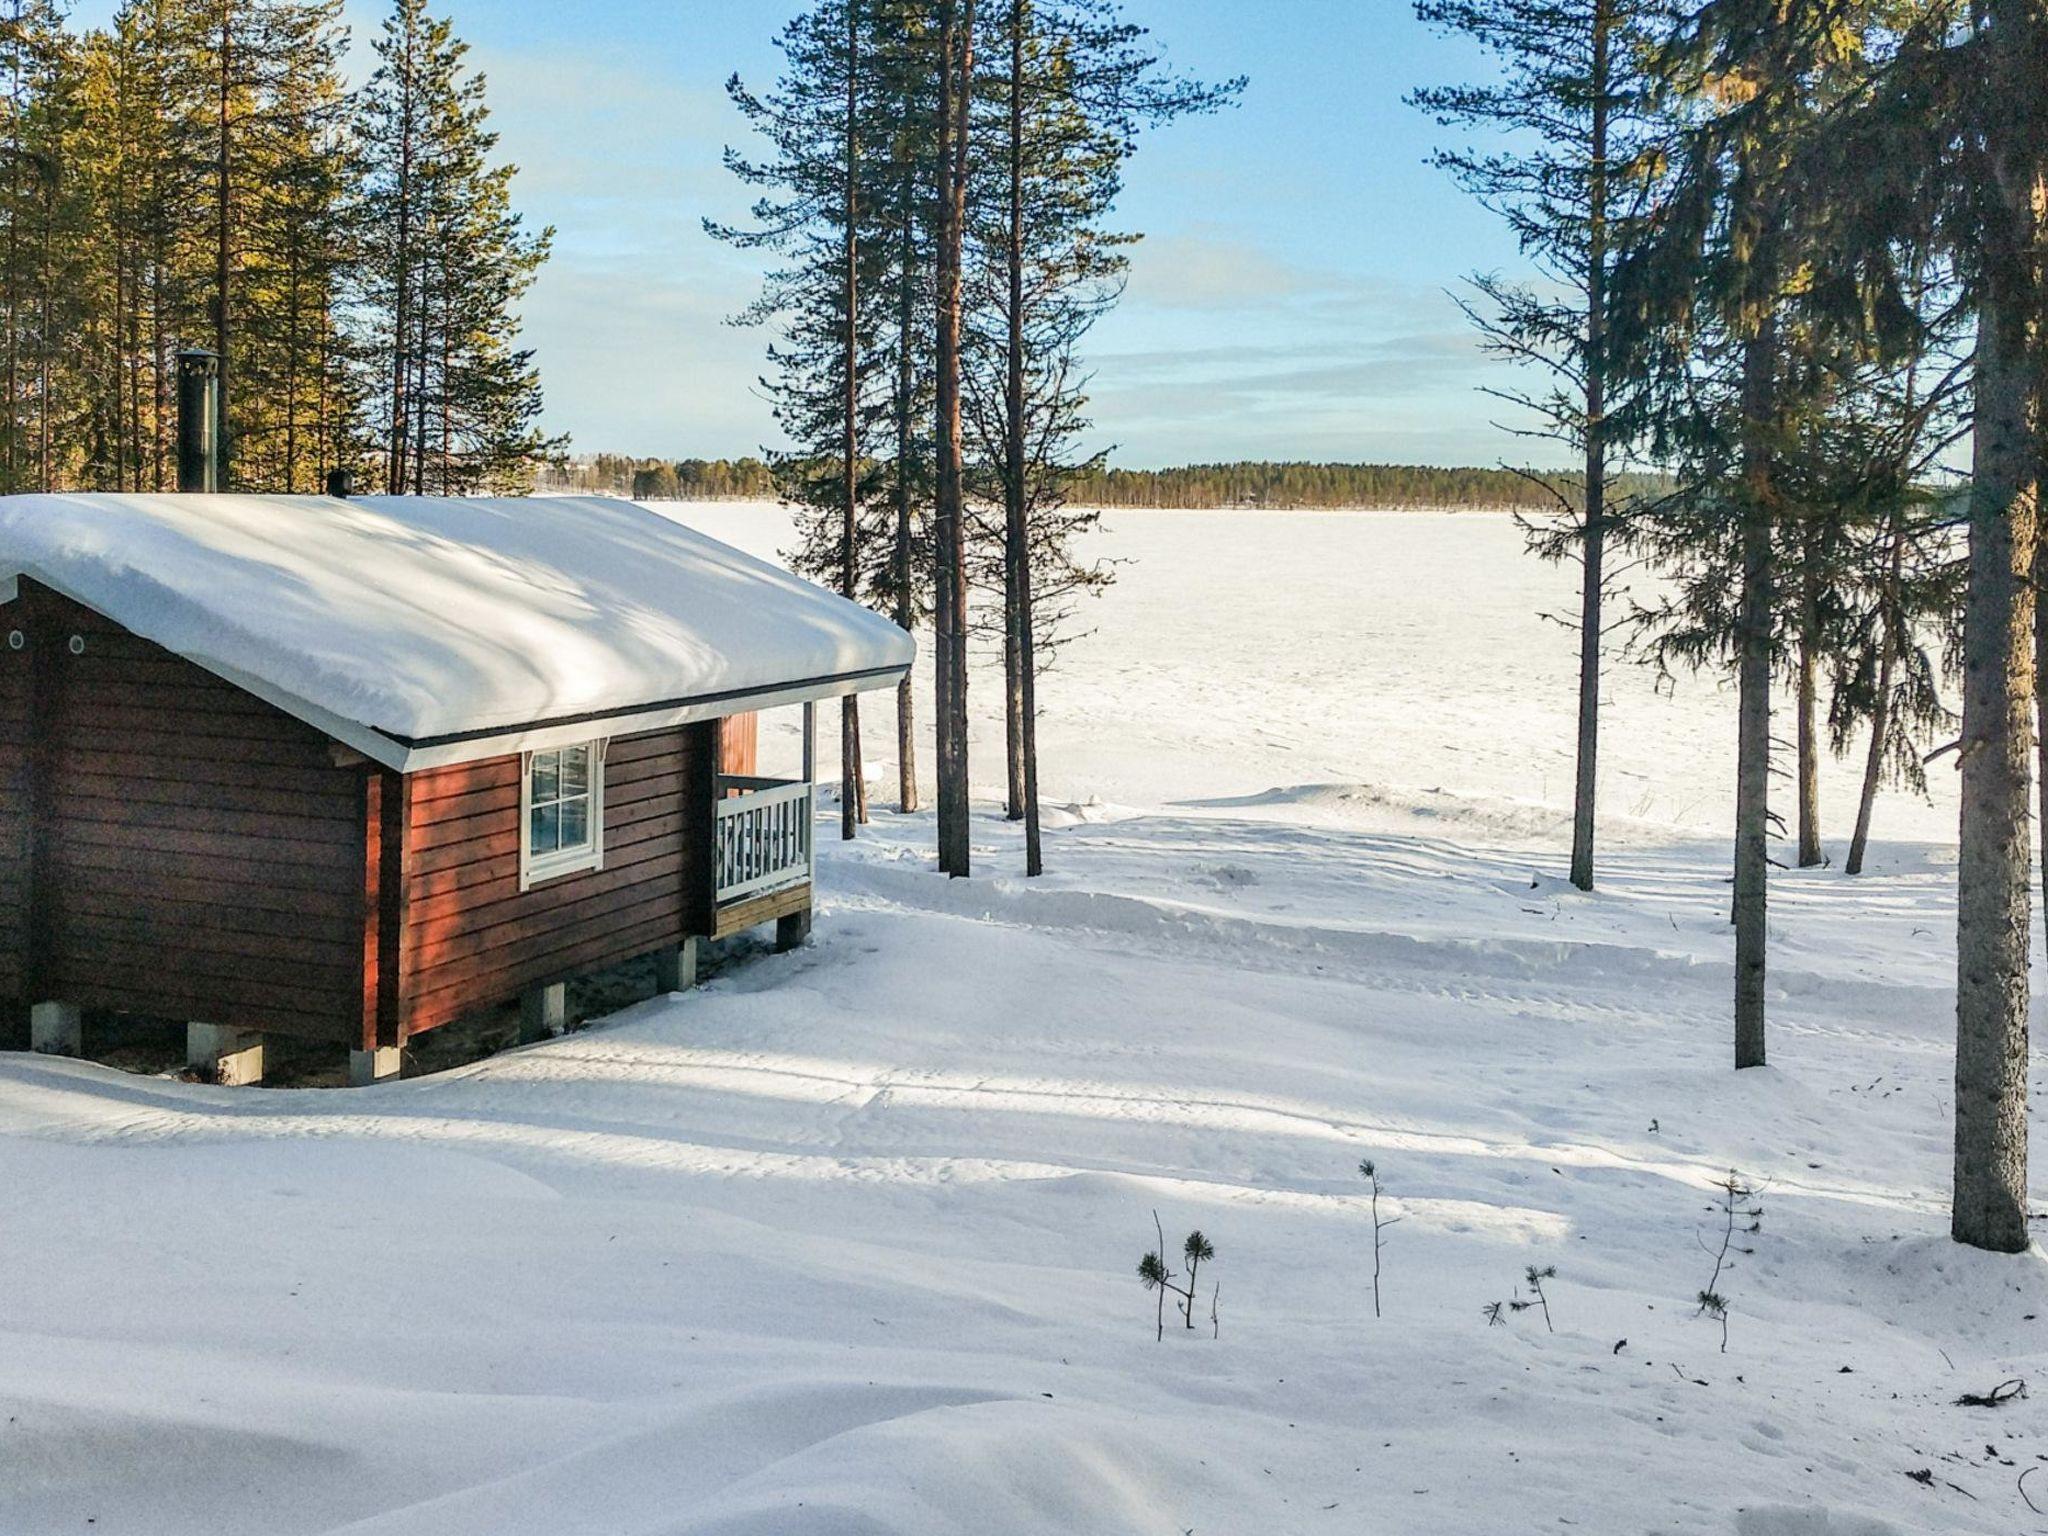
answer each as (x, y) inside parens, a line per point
(539, 738)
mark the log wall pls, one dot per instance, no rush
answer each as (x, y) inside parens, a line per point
(176, 847)
(473, 938)
(171, 845)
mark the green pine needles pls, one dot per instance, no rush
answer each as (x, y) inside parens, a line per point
(1161, 1279)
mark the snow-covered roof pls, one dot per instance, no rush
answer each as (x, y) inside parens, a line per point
(424, 631)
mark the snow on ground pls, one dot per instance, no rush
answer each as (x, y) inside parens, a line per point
(845, 1244)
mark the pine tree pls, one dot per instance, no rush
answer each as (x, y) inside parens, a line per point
(447, 261)
(904, 297)
(1944, 138)
(1713, 298)
(1574, 94)
(2002, 67)
(1067, 84)
(818, 217)
(956, 60)
(298, 256)
(32, 48)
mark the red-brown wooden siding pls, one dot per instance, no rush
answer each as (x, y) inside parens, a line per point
(171, 845)
(473, 938)
(739, 747)
(201, 852)
(14, 806)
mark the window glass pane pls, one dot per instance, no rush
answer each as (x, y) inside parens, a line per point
(576, 823)
(575, 771)
(545, 833)
(547, 776)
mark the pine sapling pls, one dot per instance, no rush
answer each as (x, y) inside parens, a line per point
(1157, 1277)
(1379, 1227)
(1161, 1278)
(1742, 1213)
(1715, 1305)
(1536, 1277)
(1194, 1250)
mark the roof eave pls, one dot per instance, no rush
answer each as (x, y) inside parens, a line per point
(416, 756)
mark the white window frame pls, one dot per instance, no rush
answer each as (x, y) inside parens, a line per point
(536, 869)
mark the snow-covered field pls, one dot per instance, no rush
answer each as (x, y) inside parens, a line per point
(845, 1244)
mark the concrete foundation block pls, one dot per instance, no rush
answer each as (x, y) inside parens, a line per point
(675, 970)
(231, 1057)
(543, 1013)
(382, 1065)
(56, 1029)
(793, 931)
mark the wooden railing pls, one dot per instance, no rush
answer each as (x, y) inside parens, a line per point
(763, 835)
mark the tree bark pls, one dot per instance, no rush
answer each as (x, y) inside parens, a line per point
(1013, 691)
(1593, 593)
(1993, 917)
(1811, 855)
(903, 571)
(1016, 504)
(16, 156)
(1753, 749)
(956, 76)
(224, 248)
(401, 264)
(1881, 708)
(851, 791)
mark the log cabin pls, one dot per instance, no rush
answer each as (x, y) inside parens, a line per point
(347, 770)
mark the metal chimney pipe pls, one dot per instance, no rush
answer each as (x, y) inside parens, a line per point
(198, 423)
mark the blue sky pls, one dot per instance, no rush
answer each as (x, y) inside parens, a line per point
(1288, 300)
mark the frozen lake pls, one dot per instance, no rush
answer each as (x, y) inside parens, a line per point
(1371, 655)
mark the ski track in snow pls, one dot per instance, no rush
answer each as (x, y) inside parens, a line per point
(844, 1243)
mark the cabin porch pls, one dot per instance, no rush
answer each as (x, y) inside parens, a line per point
(764, 848)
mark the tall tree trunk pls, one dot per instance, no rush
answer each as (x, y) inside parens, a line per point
(46, 306)
(1753, 749)
(16, 154)
(1993, 893)
(956, 78)
(401, 264)
(903, 573)
(1993, 921)
(224, 246)
(1891, 642)
(1811, 855)
(1593, 550)
(851, 791)
(1013, 692)
(1016, 504)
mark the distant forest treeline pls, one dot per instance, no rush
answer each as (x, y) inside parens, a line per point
(1300, 487)
(618, 474)
(1197, 487)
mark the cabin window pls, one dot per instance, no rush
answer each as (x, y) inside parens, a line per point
(563, 807)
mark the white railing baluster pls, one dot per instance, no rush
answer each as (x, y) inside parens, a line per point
(764, 839)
